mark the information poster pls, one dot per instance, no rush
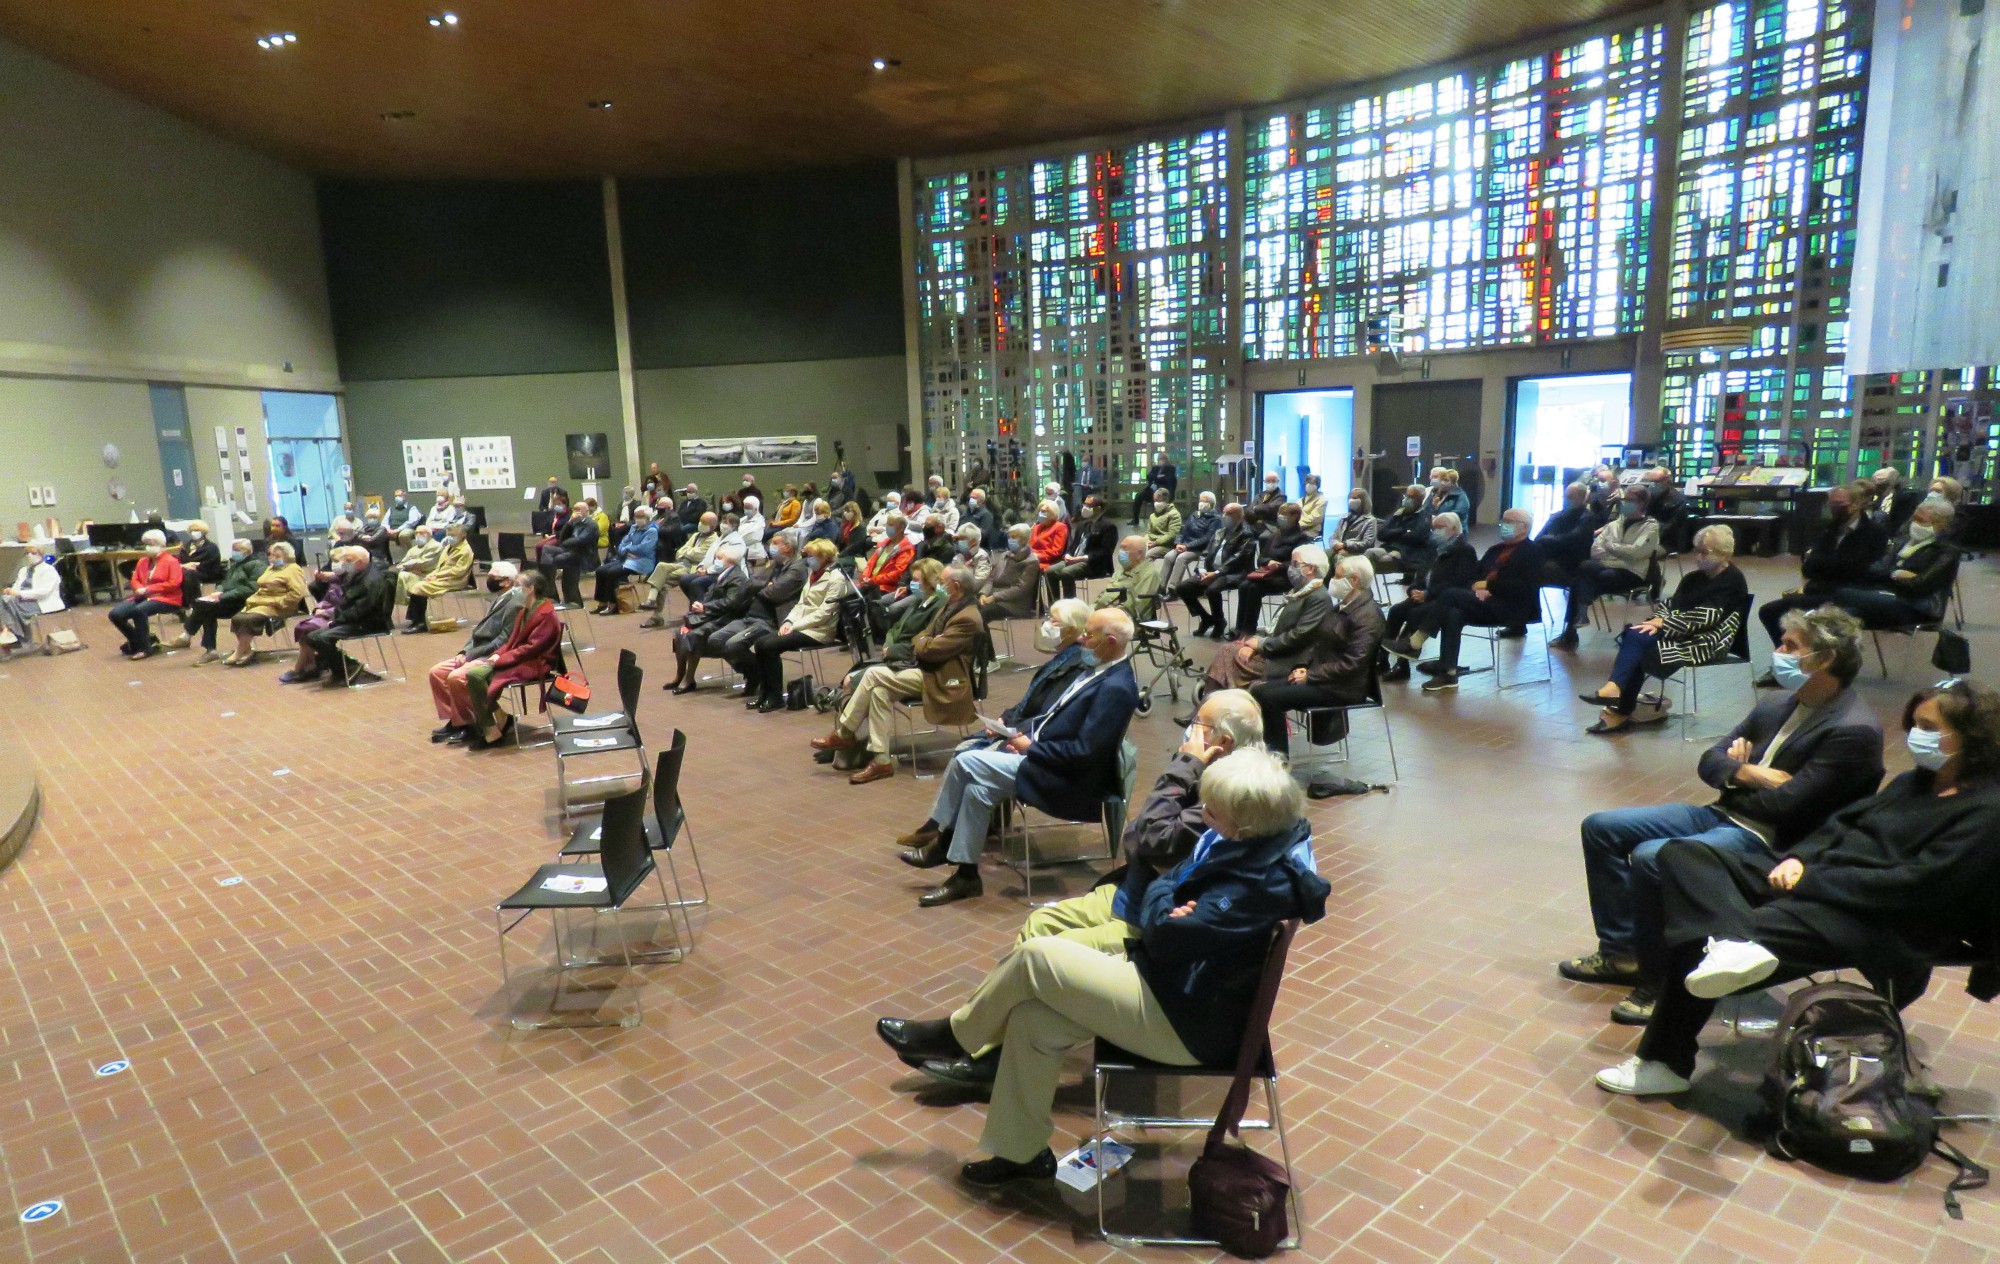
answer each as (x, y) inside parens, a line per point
(489, 462)
(429, 464)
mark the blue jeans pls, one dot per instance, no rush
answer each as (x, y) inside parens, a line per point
(972, 786)
(1621, 865)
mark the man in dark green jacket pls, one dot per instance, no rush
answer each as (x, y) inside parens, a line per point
(239, 582)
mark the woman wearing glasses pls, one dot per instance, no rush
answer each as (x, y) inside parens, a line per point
(1887, 885)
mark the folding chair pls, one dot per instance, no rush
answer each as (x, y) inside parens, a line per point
(1491, 636)
(624, 863)
(1689, 678)
(380, 642)
(1373, 703)
(906, 709)
(579, 736)
(1110, 1061)
(663, 830)
(1016, 822)
(1646, 591)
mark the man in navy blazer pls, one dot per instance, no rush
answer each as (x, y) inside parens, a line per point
(1063, 761)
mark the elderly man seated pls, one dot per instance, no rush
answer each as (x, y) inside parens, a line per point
(450, 680)
(1160, 836)
(1015, 580)
(937, 666)
(690, 557)
(1331, 668)
(777, 587)
(1065, 760)
(448, 573)
(422, 545)
(1506, 592)
(726, 600)
(1134, 585)
(1793, 761)
(1183, 996)
(362, 611)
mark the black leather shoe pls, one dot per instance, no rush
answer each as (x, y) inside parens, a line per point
(917, 1040)
(767, 705)
(965, 1072)
(928, 856)
(1567, 641)
(956, 887)
(993, 1173)
(1512, 633)
(1401, 671)
(444, 734)
(686, 688)
(1766, 681)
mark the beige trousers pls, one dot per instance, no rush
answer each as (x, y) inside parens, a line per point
(1087, 919)
(874, 694)
(1045, 998)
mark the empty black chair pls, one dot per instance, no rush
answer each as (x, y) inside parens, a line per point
(663, 829)
(607, 733)
(623, 863)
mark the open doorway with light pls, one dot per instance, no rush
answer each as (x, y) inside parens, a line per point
(308, 466)
(1308, 432)
(1559, 428)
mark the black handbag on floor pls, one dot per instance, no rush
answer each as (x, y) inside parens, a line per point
(799, 694)
(1953, 654)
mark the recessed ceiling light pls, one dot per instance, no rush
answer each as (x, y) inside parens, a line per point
(277, 39)
(883, 63)
(443, 19)
(598, 105)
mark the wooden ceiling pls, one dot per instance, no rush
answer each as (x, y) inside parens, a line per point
(718, 85)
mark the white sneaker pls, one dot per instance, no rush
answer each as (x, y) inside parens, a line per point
(1731, 965)
(1636, 1077)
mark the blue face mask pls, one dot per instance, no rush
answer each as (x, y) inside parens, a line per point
(1441, 538)
(1508, 530)
(1927, 749)
(1786, 671)
(1630, 509)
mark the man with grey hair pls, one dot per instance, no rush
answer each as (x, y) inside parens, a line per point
(938, 670)
(726, 600)
(773, 590)
(1158, 837)
(1506, 592)
(365, 609)
(1134, 583)
(1451, 565)
(1064, 762)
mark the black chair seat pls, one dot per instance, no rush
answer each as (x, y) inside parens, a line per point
(586, 838)
(588, 743)
(596, 722)
(533, 895)
(1117, 1059)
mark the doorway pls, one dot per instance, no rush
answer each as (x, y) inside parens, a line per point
(170, 430)
(1559, 428)
(309, 476)
(1308, 432)
(1416, 425)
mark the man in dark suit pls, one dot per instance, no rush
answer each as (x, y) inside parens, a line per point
(728, 598)
(1793, 761)
(1844, 556)
(1163, 476)
(554, 488)
(692, 507)
(1451, 564)
(1506, 593)
(366, 608)
(1064, 762)
(1565, 537)
(1230, 554)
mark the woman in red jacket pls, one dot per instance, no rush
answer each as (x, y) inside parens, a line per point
(527, 656)
(156, 589)
(1050, 534)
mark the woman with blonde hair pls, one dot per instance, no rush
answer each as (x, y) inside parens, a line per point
(280, 591)
(814, 620)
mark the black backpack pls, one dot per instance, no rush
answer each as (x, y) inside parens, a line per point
(1840, 1092)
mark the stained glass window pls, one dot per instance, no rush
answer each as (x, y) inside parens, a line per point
(1076, 304)
(1763, 231)
(1487, 207)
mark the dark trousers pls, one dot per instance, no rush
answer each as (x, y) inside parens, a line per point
(1061, 576)
(1878, 609)
(419, 608)
(1204, 596)
(694, 586)
(1400, 617)
(610, 577)
(1638, 653)
(1450, 612)
(200, 618)
(130, 618)
(1591, 581)
(571, 579)
(326, 651)
(1772, 613)
(1276, 697)
(1250, 601)
(1728, 895)
(768, 665)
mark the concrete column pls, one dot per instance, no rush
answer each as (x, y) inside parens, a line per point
(621, 323)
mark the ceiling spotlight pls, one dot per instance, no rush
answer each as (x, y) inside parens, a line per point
(443, 19)
(883, 63)
(277, 39)
(598, 105)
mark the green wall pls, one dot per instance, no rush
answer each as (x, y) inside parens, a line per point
(60, 428)
(536, 409)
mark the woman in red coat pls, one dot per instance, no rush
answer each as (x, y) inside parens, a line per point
(527, 656)
(1050, 534)
(156, 589)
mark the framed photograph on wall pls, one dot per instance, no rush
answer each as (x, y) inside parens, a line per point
(489, 462)
(589, 455)
(429, 464)
(764, 450)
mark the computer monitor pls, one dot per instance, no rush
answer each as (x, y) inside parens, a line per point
(135, 533)
(107, 535)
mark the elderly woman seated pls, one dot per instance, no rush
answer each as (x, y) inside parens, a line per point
(36, 591)
(1696, 625)
(281, 590)
(156, 589)
(451, 573)
(1182, 996)
(1332, 668)
(814, 620)
(1015, 580)
(1253, 660)
(451, 690)
(468, 695)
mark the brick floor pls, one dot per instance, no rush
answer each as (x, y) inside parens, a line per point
(321, 1069)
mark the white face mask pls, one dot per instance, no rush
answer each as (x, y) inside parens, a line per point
(1340, 589)
(1048, 637)
(1921, 534)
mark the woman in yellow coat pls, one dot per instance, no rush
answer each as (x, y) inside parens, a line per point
(452, 572)
(281, 592)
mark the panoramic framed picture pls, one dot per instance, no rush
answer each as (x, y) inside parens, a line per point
(764, 450)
